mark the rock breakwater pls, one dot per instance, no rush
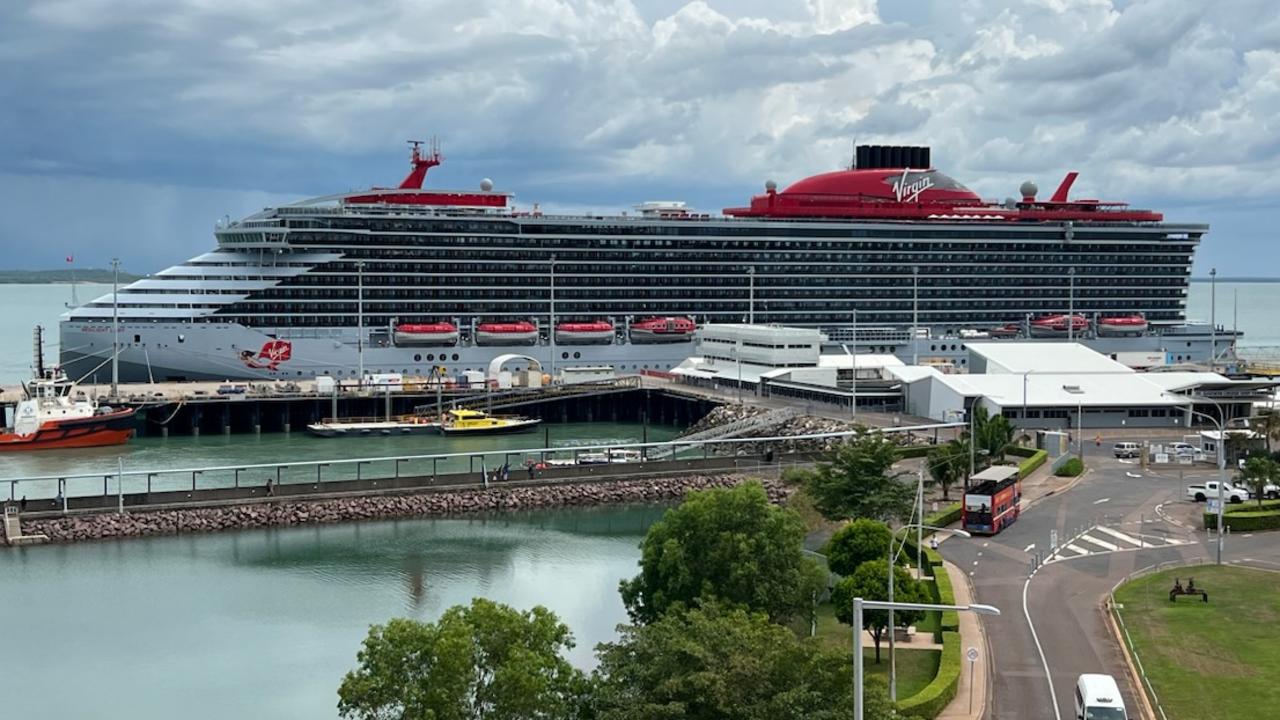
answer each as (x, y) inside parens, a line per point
(287, 513)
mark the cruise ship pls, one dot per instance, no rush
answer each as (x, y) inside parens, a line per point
(890, 256)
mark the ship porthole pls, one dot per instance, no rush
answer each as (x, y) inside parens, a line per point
(455, 357)
(564, 356)
(577, 355)
(417, 357)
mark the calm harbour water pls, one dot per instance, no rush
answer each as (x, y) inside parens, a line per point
(263, 624)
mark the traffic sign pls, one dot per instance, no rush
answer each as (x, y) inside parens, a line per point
(972, 654)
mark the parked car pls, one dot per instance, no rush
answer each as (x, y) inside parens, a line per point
(229, 389)
(1204, 491)
(1127, 450)
(1181, 448)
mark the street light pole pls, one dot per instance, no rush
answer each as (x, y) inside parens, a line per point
(1071, 306)
(915, 315)
(115, 327)
(1213, 319)
(859, 605)
(360, 319)
(1220, 422)
(552, 316)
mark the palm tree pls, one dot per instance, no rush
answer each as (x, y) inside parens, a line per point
(948, 464)
(994, 434)
(1268, 424)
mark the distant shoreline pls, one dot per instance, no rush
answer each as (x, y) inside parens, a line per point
(1237, 279)
(49, 277)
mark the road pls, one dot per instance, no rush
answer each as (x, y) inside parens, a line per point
(1107, 526)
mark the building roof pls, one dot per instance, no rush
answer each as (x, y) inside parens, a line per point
(773, 333)
(1064, 390)
(865, 361)
(1043, 357)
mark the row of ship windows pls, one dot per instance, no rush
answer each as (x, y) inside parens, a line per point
(926, 243)
(577, 233)
(758, 254)
(825, 319)
(715, 267)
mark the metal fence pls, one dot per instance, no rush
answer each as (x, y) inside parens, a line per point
(321, 472)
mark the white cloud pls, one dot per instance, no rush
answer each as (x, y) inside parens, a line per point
(591, 103)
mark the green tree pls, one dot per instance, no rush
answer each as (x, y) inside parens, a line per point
(485, 660)
(1258, 472)
(857, 481)
(871, 582)
(857, 542)
(719, 663)
(948, 464)
(992, 433)
(728, 544)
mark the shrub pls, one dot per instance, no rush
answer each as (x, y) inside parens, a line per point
(795, 476)
(935, 696)
(944, 517)
(914, 451)
(1033, 461)
(1070, 468)
(1023, 452)
(1248, 517)
(947, 596)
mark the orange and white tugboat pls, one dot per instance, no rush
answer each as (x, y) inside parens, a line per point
(50, 417)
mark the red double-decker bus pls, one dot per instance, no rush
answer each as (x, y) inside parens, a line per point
(992, 501)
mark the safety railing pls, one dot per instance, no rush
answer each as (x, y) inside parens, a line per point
(319, 472)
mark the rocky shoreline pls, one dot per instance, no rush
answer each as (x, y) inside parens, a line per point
(798, 426)
(292, 513)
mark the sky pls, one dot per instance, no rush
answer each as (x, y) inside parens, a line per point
(128, 127)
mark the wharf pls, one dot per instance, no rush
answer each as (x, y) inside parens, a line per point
(194, 408)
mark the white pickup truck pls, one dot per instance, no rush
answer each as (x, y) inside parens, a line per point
(1232, 493)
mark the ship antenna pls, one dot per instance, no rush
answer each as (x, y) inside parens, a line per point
(420, 163)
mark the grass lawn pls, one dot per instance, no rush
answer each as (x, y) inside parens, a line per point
(1215, 661)
(916, 668)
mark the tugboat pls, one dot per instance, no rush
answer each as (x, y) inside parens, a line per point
(50, 417)
(474, 422)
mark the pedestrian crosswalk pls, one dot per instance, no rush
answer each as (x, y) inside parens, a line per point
(1100, 539)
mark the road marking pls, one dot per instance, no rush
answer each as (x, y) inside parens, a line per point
(1244, 535)
(984, 545)
(1032, 546)
(1100, 543)
(1048, 676)
(1099, 502)
(1076, 549)
(975, 563)
(1122, 537)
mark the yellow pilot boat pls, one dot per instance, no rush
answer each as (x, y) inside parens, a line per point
(475, 422)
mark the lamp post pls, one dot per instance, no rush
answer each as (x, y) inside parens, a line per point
(1220, 422)
(920, 527)
(115, 327)
(915, 315)
(552, 315)
(859, 605)
(1071, 306)
(360, 319)
(1213, 318)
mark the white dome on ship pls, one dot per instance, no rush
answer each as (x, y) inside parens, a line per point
(1028, 189)
(486, 184)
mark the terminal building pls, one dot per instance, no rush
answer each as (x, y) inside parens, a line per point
(1036, 385)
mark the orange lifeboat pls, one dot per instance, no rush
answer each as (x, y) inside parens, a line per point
(662, 330)
(438, 333)
(521, 332)
(596, 332)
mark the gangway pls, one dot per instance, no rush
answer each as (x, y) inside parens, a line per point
(737, 428)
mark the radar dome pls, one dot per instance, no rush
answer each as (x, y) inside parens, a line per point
(770, 185)
(486, 184)
(1028, 189)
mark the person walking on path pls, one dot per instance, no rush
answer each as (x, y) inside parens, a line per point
(271, 490)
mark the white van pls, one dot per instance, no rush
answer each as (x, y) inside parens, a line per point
(1127, 449)
(1098, 698)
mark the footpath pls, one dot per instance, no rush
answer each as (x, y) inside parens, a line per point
(970, 702)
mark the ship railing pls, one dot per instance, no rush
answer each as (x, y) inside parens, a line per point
(133, 487)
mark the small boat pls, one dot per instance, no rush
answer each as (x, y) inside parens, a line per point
(608, 457)
(663, 330)
(1057, 326)
(364, 427)
(597, 332)
(437, 333)
(1123, 325)
(521, 332)
(474, 422)
(50, 417)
